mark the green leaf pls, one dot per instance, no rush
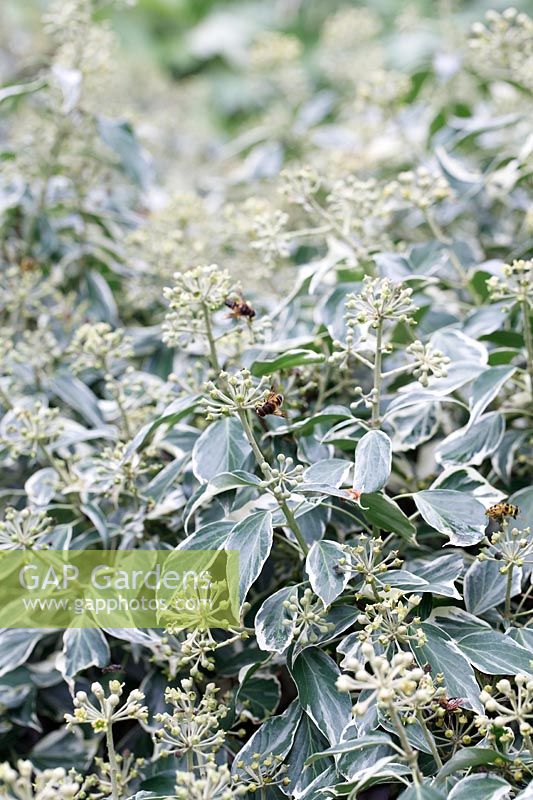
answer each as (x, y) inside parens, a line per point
(472, 444)
(380, 510)
(222, 447)
(252, 537)
(315, 675)
(436, 576)
(373, 458)
(172, 414)
(485, 388)
(469, 757)
(275, 736)
(494, 653)
(485, 586)
(480, 787)
(274, 624)
(459, 516)
(326, 581)
(16, 646)
(72, 391)
(443, 655)
(308, 740)
(82, 648)
(330, 471)
(424, 792)
(352, 746)
(260, 695)
(120, 137)
(212, 536)
(287, 360)
(224, 482)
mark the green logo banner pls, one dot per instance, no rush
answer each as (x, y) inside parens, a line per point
(119, 589)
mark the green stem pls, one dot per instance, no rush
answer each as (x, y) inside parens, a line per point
(410, 754)
(259, 457)
(430, 741)
(213, 357)
(529, 743)
(377, 376)
(113, 766)
(528, 338)
(190, 761)
(508, 590)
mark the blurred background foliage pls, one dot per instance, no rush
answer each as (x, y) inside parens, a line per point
(184, 37)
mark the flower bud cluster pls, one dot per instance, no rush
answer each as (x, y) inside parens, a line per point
(515, 285)
(308, 617)
(367, 559)
(108, 710)
(510, 703)
(27, 783)
(501, 47)
(194, 724)
(97, 346)
(396, 682)
(195, 294)
(264, 770)
(284, 479)
(25, 529)
(269, 234)
(28, 427)
(379, 299)
(215, 783)
(421, 188)
(386, 622)
(428, 361)
(299, 185)
(240, 392)
(511, 546)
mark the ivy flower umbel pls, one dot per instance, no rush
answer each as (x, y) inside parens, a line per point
(194, 724)
(308, 620)
(422, 187)
(379, 299)
(26, 782)
(194, 296)
(512, 705)
(108, 710)
(428, 361)
(366, 559)
(515, 285)
(214, 783)
(95, 345)
(30, 427)
(240, 392)
(262, 771)
(513, 547)
(386, 621)
(25, 529)
(501, 47)
(283, 479)
(396, 683)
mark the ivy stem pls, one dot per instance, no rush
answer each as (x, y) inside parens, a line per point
(190, 761)
(508, 590)
(528, 338)
(529, 743)
(376, 394)
(430, 741)
(259, 457)
(113, 767)
(213, 357)
(410, 754)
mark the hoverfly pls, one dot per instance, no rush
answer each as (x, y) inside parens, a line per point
(502, 510)
(239, 308)
(112, 668)
(272, 405)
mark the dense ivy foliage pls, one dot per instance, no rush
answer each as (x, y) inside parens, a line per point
(303, 334)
